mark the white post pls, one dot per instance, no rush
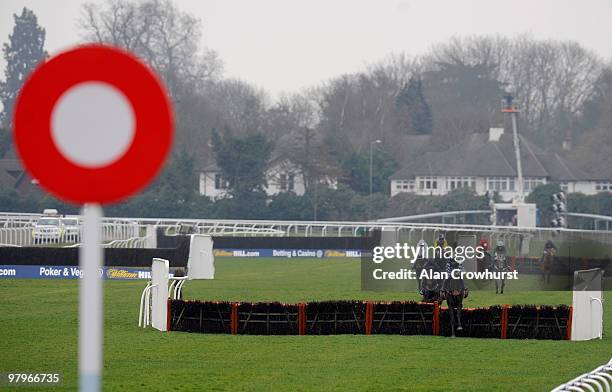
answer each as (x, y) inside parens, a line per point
(159, 294)
(151, 236)
(90, 301)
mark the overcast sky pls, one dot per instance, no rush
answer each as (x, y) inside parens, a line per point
(285, 45)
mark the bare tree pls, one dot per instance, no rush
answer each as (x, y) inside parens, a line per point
(156, 30)
(169, 41)
(551, 79)
(240, 106)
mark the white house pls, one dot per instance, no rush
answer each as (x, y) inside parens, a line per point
(281, 176)
(486, 162)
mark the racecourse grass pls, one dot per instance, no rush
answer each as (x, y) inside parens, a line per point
(38, 321)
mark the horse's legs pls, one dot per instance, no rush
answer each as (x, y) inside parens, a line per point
(451, 313)
(458, 310)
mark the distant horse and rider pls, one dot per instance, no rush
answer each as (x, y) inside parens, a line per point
(429, 286)
(499, 263)
(547, 261)
(452, 289)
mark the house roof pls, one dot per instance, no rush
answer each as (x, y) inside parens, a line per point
(477, 156)
(211, 167)
(281, 153)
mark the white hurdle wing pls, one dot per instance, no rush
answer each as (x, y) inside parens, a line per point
(587, 305)
(154, 298)
(201, 262)
(160, 271)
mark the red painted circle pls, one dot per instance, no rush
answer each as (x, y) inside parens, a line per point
(153, 125)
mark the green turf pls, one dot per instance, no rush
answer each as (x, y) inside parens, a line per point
(39, 324)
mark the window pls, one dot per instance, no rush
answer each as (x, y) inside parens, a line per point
(460, 182)
(404, 185)
(564, 185)
(530, 184)
(219, 182)
(291, 183)
(503, 184)
(428, 183)
(603, 186)
(287, 182)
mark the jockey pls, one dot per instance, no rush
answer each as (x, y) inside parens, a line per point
(438, 252)
(441, 242)
(451, 284)
(429, 288)
(484, 244)
(500, 256)
(500, 249)
(422, 247)
(547, 260)
(549, 248)
(420, 261)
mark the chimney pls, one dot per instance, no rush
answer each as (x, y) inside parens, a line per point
(495, 134)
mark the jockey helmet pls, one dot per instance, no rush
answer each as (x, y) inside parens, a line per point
(500, 246)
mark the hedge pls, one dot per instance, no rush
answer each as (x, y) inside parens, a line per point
(367, 317)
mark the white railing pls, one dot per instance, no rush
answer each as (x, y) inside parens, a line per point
(223, 226)
(599, 379)
(175, 290)
(128, 228)
(134, 242)
(144, 314)
(219, 229)
(28, 235)
(120, 230)
(55, 239)
(16, 236)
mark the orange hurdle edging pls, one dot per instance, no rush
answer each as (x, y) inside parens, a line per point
(369, 315)
(301, 318)
(234, 318)
(504, 322)
(436, 319)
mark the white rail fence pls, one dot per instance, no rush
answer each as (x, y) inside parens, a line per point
(15, 236)
(29, 235)
(127, 229)
(599, 379)
(134, 242)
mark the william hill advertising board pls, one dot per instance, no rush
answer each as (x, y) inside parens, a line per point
(288, 253)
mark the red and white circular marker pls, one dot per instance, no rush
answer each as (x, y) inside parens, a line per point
(93, 124)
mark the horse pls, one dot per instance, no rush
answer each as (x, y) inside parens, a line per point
(429, 287)
(546, 263)
(454, 291)
(500, 264)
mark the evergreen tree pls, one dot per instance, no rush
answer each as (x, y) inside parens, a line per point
(243, 161)
(356, 168)
(22, 53)
(414, 111)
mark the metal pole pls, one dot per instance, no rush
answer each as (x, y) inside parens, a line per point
(517, 151)
(371, 153)
(90, 302)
